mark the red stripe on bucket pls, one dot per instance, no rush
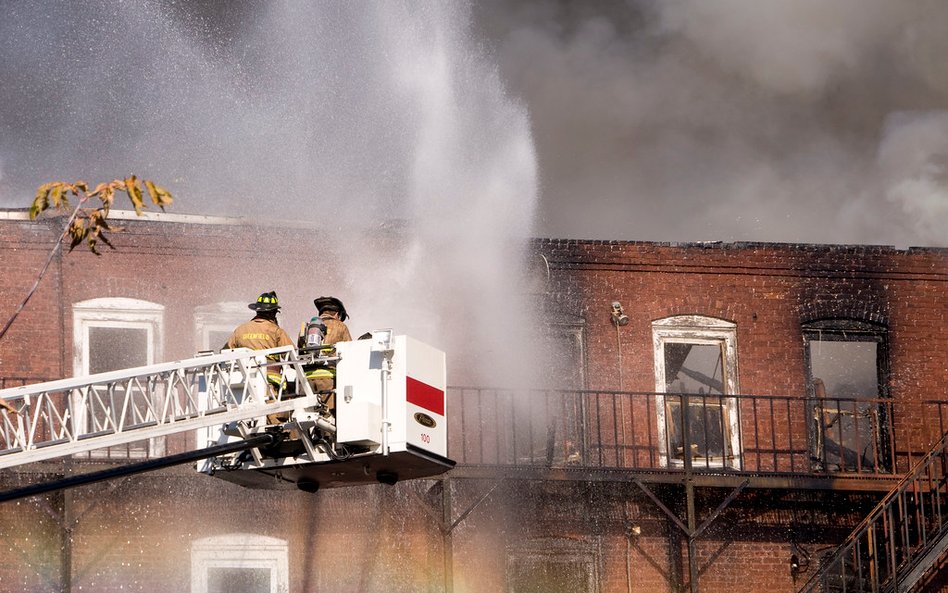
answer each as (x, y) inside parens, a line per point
(424, 396)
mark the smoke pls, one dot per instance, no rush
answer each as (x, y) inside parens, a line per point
(913, 158)
(680, 120)
(387, 126)
(727, 120)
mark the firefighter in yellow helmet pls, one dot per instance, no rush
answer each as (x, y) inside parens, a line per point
(262, 332)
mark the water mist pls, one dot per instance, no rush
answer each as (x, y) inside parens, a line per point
(386, 126)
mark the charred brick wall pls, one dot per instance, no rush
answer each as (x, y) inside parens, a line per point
(769, 291)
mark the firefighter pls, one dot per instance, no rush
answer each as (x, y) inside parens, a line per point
(329, 328)
(262, 332)
(333, 313)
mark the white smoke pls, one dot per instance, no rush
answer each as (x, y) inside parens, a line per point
(387, 125)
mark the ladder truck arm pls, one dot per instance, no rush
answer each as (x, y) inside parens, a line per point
(226, 400)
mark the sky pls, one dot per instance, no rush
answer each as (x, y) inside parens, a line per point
(681, 120)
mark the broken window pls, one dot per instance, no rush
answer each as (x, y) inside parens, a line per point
(693, 370)
(846, 364)
(696, 368)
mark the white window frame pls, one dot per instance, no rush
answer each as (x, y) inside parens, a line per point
(118, 312)
(698, 329)
(240, 550)
(222, 317)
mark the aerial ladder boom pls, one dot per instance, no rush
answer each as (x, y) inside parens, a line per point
(72, 416)
(388, 423)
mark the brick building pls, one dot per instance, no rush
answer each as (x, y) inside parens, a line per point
(721, 417)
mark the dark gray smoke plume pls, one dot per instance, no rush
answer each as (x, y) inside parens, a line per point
(674, 120)
(734, 119)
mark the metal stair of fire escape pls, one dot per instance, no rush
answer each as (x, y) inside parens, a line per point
(72, 416)
(900, 541)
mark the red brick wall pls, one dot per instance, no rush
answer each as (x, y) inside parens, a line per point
(135, 535)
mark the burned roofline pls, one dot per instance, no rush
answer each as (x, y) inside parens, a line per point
(742, 245)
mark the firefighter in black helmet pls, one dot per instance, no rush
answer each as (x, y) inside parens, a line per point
(333, 313)
(331, 324)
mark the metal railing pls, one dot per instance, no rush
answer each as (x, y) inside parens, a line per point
(647, 431)
(899, 541)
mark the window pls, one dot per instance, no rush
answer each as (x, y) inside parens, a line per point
(696, 366)
(111, 334)
(214, 323)
(568, 356)
(553, 566)
(847, 368)
(239, 563)
(550, 429)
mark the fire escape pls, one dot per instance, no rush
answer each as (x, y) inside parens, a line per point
(717, 448)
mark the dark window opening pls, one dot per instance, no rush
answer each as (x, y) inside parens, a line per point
(695, 371)
(112, 349)
(847, 370)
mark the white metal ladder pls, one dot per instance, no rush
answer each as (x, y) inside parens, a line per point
(70, 416)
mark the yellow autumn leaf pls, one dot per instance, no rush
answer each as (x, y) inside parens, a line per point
(56, 196)
(41, 201)
(134, 193)
(159, 195)
(77, 230)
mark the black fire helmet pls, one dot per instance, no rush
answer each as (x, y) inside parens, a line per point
(331, 304)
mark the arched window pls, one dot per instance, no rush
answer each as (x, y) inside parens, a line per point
(696, 365)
